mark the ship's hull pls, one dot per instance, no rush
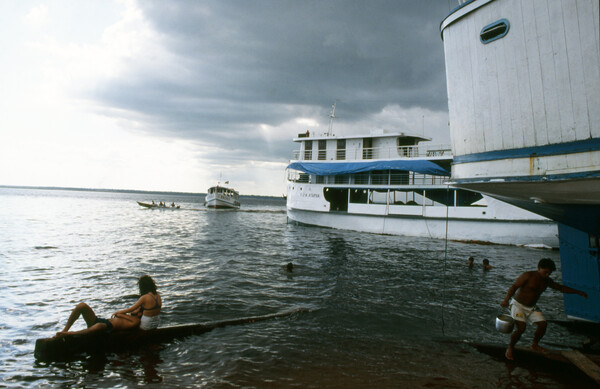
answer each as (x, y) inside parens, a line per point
(497, 222)
(523, 97)
(221, 203)
(538, 234)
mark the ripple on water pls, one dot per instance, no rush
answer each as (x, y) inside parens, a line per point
(378, 303)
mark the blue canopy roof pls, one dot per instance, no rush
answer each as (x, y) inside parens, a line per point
(338, 168)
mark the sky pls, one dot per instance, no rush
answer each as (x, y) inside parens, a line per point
(178, 95)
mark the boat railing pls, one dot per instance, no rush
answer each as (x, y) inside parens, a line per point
(369, 179)
(369, 153)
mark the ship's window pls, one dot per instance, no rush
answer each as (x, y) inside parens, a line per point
(367, 148)
(341, 149)
(593, 241)
(308, 150)
(465, 197)
(406, 197)
(322, 149)
(303, 177)
(320, 180)
(359, 196)
(439, 196)
(399, 178)
(380, 177)
(342, 179)
(494, 31)
(378, 197)
(361, 178)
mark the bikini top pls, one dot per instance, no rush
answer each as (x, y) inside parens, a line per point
(156, 305)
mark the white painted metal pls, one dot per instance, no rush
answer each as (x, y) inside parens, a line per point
(536, 86)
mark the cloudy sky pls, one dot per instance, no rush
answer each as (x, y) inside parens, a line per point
(171, 95)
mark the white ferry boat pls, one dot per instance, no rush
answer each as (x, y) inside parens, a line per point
(524, 101)
(387, 183)
(222, 197)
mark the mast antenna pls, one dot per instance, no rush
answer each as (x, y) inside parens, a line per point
(331, 117)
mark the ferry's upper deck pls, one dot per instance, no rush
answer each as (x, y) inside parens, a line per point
(377, 145)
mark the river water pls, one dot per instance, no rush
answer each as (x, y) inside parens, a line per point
(384, 311)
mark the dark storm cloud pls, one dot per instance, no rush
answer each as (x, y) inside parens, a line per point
(247, 62)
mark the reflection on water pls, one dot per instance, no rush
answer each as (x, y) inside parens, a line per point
(385, 311)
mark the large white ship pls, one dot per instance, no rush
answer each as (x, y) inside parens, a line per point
(524, 102)
(387, 183)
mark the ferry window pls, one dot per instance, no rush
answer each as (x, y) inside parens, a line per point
(593, 241)
(465, 197)
(303, 177)
(378, 197)
(367, 148)
(341, 179)
(359, 196)
(406, 147)
(440, 196)
(308, 150)
(399, 178)
(494, 31)
(361, 178)
(322, 149)
(341, 149)
(320, 180)
(380, 177)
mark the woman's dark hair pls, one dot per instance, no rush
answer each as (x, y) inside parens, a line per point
(146, 284)
(546, 263)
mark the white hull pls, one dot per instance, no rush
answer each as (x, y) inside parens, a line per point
(221, 197)
(524, 109)
(221, 203)
(498, 223)
(524, 97)
(527, 233)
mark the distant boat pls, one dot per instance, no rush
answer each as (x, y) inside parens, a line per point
(159, 206)
(222, 197)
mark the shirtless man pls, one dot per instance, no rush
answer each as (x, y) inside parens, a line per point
(529, 286)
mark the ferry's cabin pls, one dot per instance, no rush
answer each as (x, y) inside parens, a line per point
(378, 145)
(222, 190)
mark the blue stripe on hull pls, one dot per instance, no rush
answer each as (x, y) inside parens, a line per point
(526, 152)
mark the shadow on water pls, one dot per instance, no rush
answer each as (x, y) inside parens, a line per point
(108, 370)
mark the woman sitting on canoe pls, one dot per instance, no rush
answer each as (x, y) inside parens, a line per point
(148, 306)
(144, 313)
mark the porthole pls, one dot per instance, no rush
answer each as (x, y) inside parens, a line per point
(494, 31)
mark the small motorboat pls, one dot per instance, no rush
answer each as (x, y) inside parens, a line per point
(160, 205)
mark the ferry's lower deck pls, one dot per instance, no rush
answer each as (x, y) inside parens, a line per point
(412, 204)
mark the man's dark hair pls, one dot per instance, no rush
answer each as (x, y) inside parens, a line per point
(146, 284)
(546, 263)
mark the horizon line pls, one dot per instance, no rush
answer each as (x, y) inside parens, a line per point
(114, 190)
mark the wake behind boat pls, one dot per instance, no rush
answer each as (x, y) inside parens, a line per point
(222, 197)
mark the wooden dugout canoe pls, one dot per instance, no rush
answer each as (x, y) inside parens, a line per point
(588, 363)
(69, 347)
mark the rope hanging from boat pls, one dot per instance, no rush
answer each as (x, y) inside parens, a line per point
(445, 260)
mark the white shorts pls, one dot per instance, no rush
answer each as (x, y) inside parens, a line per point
(524, 313)
(149, 322)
